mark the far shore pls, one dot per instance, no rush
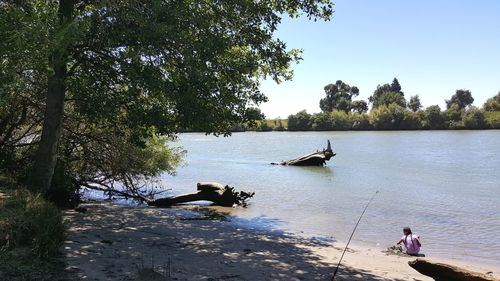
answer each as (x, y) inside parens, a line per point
(115, 242)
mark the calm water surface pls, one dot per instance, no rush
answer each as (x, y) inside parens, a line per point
(444, 184)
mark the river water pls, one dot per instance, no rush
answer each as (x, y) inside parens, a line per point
(445, 185)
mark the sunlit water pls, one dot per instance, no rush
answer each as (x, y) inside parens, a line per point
(444, 184)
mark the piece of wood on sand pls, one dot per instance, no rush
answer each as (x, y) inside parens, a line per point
(317, 158)
(445, 272)
(207, 191)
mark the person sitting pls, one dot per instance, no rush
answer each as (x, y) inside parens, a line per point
(411, 242)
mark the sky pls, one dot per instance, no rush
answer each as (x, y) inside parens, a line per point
(433, 47)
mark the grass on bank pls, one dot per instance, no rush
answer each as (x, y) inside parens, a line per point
(31, 232)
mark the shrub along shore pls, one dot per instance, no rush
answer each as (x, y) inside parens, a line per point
(384, 118)
(31, 232)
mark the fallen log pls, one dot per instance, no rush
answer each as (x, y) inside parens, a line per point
(207, 191)
(317, 158)
(445, 272)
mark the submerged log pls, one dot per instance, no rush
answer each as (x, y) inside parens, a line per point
(317, 158)
(207, 191)
(445, 272)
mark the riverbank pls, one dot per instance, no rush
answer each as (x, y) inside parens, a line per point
(380, 119)
(113, 242)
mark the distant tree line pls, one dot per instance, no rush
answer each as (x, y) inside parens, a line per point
(386, 109)
(390, 110)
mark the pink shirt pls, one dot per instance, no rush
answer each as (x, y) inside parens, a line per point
(411, 244)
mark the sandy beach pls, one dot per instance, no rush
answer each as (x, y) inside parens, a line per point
(115, 242)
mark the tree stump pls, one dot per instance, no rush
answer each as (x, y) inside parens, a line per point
(317, 158)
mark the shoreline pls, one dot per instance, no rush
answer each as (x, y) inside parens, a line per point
(360, 245)
(114, 242)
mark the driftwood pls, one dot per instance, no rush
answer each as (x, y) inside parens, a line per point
(444, 272)
(207, 191)
(317, 158)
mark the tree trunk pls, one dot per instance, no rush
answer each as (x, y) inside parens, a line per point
(215, 192)
(444, 272)
(46, 157)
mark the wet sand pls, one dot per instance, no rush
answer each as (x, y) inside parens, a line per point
(114, 242)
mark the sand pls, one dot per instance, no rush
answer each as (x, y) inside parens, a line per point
(115, 242)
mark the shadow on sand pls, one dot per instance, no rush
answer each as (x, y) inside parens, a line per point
(111, 242)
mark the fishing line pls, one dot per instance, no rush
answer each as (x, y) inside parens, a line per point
(352, 234)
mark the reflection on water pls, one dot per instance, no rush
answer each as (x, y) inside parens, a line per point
(444, 184)
(320, 171)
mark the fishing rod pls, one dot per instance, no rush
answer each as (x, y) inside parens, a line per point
(352, 234)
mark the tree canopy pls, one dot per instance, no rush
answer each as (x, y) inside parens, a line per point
(387, 94)
(414, 103)
(462, 98)
(100, 78)
(338, 97)
(359, 106)
(395, 86)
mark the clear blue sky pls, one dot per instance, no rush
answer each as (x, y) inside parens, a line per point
(433, 47)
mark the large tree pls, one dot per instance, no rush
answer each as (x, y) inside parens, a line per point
(395, 86)
(414, 103)
(338, 97)
(387, 94)
(152, 67)
(462, 98)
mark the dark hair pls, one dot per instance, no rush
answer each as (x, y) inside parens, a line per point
(407, 229)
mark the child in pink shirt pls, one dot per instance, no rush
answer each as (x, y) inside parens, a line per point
(411, 242)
